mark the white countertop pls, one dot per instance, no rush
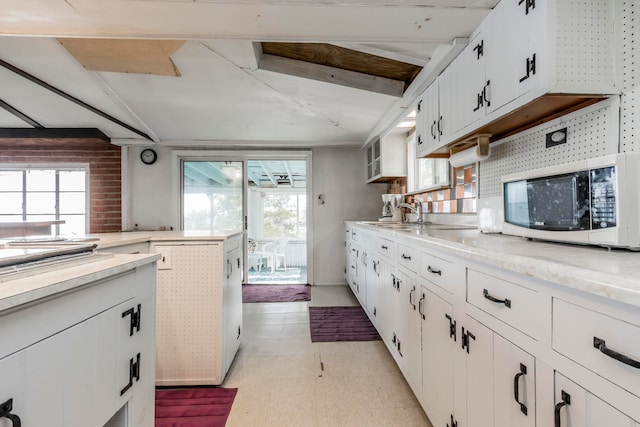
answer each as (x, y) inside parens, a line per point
(108, 240)
(63, 278)
(613, 274)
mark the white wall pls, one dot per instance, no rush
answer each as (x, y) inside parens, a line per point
(338, 174)
(147, 198)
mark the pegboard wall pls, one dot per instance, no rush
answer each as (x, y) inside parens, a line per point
(585, 43)
(591, 132)
(629, 36)
(189, 314)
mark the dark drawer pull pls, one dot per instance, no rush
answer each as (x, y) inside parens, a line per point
(600, 344)
(506, 302)
(431, 270)
(566, 401)
(5, 412)
(516, 394)
(406, 257)
(384, 247)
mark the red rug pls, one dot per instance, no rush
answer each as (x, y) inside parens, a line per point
(194, 407)
(276, 293)
(341, 324)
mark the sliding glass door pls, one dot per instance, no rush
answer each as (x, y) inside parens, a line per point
(212, 196)
(266, 198)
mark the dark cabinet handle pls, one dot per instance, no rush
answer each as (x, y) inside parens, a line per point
(5, 412)
(406, 257)
(411, 297)
(432, 271)
(487, 295)
(421, 306)
(420, 140)
(453, 423)
(439, 127)
(566, 401)
(484, 93)
(600, 344)
(516, 389)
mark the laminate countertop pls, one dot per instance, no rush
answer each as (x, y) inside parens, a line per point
(25, 287)
(108, 240)
(613, 274)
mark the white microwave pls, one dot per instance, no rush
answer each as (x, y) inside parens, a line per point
(593, 202)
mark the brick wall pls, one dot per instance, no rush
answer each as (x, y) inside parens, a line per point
(105, 204)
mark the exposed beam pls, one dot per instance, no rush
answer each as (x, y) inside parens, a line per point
(288, 170)
(253, 178)
(397, 56)
(266, 169)
(19, 114)
(332, 75)
(71, 98)
(210, 172)
(53, 133)
(195, 175)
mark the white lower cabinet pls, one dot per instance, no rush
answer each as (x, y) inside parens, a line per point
(81, 375)
(199, 311)
(410, 341)
(483, 347)
(576, 407)
(438, 346)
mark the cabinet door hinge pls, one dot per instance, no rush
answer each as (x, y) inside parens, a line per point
(528, 5)
(531, 68)
(134, 373)
(466, 335)
(452, 327)
(135, 320)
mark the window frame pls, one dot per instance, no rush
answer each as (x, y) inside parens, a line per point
(57, 167)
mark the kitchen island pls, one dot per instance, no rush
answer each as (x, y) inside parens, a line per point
(199, 300)
(495, 330)
(78, 340)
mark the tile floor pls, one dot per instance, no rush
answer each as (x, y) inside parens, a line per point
(284, 379)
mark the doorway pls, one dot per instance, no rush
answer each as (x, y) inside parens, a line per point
(265, 197)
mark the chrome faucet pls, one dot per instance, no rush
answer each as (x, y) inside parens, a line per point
(417, 211)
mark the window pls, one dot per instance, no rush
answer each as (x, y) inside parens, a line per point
(425, 174)
(45, 194)
(285, 215)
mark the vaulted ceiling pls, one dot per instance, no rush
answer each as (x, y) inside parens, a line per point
(219, 73)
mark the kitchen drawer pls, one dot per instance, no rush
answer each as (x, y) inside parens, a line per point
(409, 257)
(509, 302)
(440, 271)
(575, 333)
(386, 248)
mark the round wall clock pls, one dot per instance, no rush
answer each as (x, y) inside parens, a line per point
(148, 156)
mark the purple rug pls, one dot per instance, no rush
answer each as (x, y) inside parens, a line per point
(276, 293)
(340, 324)
(194, 407)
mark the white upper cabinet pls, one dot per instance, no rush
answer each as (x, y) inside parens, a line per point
(526, 63)
(387, 158)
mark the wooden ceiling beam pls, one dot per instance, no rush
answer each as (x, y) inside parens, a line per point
(332, 75)
(53, 133)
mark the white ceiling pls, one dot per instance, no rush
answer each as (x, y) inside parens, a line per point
(222, 97)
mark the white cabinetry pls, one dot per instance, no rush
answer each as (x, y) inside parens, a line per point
(439, 342)
(199, 310)
(576, 407)
(75, 370)
(232, 296)
(387, 158)
(527, 62)
(482, 346)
